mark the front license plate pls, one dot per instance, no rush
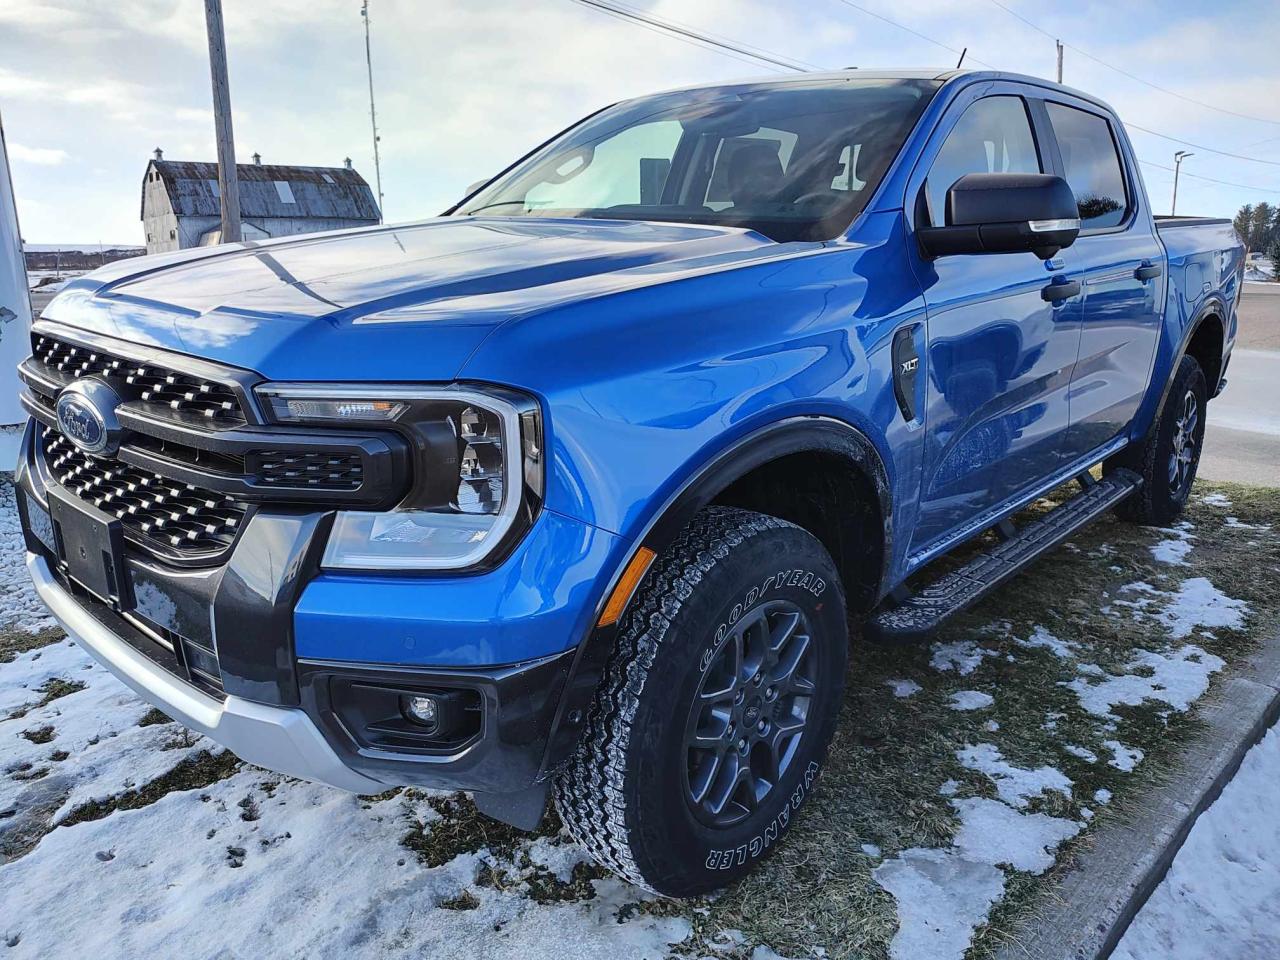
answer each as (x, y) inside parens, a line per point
(91, 548)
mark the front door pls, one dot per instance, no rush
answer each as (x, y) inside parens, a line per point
(999, 353)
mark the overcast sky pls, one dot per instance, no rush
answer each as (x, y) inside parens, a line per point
(89, 89)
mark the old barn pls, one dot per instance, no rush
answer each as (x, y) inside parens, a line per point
(181, 202)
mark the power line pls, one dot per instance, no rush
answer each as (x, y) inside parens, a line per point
(914, 33)
(723, 44)
(1132, 76)
(1201, 146)
(1198, 146)
(738, 51)
(1225, 183)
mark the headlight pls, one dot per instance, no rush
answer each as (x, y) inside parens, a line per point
(478, 470)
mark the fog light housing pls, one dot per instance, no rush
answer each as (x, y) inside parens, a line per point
(424, 710)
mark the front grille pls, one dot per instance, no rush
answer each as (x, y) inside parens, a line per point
(153, 383)
(322, 471)
(177, 516)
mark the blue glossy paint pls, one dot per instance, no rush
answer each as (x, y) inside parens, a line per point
(654, 347)
(539, 602)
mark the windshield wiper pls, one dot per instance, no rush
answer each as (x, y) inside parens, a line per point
(500, 203)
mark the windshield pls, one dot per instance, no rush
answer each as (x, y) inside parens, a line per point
(794, 161)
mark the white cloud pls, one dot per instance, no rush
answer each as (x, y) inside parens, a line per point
(463, 88)
(45, 156)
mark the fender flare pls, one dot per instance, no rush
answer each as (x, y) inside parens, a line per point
(1212, 307)
(799, 434)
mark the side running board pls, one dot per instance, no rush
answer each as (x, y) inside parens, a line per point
(919, 615)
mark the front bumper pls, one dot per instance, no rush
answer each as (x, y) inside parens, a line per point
(278, 738)
(292, 642)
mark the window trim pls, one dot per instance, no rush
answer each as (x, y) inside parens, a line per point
(1045, 160)
(1126, 168)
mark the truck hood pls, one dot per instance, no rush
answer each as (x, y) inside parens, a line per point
(409, 302)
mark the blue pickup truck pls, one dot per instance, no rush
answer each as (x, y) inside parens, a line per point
(582, 488)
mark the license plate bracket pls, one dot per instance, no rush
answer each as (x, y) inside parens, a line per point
(90, 548)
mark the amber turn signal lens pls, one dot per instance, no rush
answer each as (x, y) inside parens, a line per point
(626, 586)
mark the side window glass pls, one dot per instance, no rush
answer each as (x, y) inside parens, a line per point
(993, 136)
(1092, 165)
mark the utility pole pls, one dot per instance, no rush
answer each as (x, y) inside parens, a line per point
(1059, 45)
(1177, 165)
(228, 184)
(373, 114)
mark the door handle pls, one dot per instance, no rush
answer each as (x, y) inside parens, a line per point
(1148, 271)
(1060, 290)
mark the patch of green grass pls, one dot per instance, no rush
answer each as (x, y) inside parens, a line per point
(460, 828)
(14, 642)
(195, 772)
(466, 900)
(40, 735)
(50, 690)
(153, 717)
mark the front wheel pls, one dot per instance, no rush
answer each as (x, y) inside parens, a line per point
(1169, 456)
(714, 716)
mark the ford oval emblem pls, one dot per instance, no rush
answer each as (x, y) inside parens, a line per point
(86, 413)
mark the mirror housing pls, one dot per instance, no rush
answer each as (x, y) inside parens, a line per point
(476, 186)
(1005, 213)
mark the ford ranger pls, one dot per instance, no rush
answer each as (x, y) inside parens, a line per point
(581, 488)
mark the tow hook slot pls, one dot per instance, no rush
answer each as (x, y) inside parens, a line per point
(906, 367)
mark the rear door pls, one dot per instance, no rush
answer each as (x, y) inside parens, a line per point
(1122, 263)
(999, 356)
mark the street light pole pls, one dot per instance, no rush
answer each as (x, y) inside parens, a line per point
(1177, 166)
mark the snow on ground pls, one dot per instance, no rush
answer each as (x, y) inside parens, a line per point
(1220, 895)
(254, 864)
(944, 894)
(1174, 550)
(299, 870)
(1123, 758)
(1197, 603)
(903, 688)
(22, 609)
(1043, 639)
(1014, 785)
(963, 656)
(971, 700)
(1177, 678)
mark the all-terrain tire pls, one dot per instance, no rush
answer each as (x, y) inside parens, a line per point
(628, 793)
(1177, 436)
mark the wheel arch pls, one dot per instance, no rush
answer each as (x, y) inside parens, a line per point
(726, 478)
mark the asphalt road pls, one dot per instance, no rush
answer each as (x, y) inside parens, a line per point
(1242, 440)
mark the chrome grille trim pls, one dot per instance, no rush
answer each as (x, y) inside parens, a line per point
(153, 383)
(155, 510)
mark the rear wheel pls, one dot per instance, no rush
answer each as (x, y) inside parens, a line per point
(717, 707)
(1169, 456)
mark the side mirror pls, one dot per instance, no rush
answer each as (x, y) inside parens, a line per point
(1005, 213)
(476, 186)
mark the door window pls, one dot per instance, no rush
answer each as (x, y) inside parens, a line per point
(993, 136)
(1092, 165)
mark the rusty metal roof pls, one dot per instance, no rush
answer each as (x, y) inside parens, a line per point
(266, 189)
